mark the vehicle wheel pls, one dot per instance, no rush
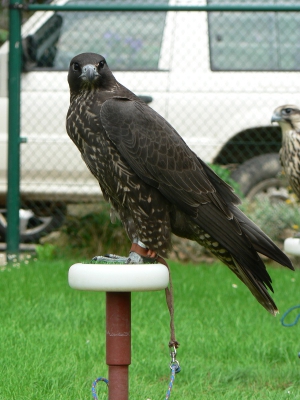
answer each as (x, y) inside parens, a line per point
(36, 220)
(260, 177)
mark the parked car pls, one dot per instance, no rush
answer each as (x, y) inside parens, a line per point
(216, 77)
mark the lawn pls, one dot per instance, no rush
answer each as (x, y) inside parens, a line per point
(52, 338)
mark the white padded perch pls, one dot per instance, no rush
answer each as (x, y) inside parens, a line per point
(118, 281)
(292, 246)
(119, 277)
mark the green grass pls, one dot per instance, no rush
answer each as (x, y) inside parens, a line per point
(52, 338)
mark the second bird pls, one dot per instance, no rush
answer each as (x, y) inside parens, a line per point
(288, 118)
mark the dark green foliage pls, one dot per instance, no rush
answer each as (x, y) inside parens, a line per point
(278, 220)
(3, 36)
(94, 234)
(224, 174)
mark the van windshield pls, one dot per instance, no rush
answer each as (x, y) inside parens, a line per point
(131, 40)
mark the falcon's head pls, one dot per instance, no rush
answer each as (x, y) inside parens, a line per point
(287, 117)
(87, 71)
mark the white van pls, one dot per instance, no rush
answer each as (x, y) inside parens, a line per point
(216, 77)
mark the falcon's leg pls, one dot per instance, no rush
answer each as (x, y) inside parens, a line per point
(133, 258)
(141, 254)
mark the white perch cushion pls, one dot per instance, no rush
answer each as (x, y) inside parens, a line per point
(292, 246)
(118, 277)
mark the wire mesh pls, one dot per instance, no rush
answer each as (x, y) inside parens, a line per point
(215, 76)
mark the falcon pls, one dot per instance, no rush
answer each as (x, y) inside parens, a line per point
(156, 183)
(288, 118)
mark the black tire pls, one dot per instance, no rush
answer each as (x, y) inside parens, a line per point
(41, 219)
(261, 175)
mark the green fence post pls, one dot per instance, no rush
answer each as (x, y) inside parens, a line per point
(13, 170)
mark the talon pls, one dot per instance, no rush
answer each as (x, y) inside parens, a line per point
(151, 254)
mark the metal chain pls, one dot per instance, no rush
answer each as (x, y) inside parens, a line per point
(175, 368)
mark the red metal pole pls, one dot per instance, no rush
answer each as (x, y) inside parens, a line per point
(118, 343)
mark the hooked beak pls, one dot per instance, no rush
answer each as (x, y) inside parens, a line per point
(276, 117)
(89, 73)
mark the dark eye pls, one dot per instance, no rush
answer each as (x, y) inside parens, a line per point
(288, 110)
(76, 67)
(101, 64)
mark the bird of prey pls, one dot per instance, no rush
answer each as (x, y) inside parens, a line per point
(155, 182)
(288, 118)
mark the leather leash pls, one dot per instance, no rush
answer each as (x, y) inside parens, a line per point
(150, 255)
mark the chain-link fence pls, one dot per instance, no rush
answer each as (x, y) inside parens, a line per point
(215, 76)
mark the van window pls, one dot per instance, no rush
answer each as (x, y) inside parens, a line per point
(254, 41)
(130, 40)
